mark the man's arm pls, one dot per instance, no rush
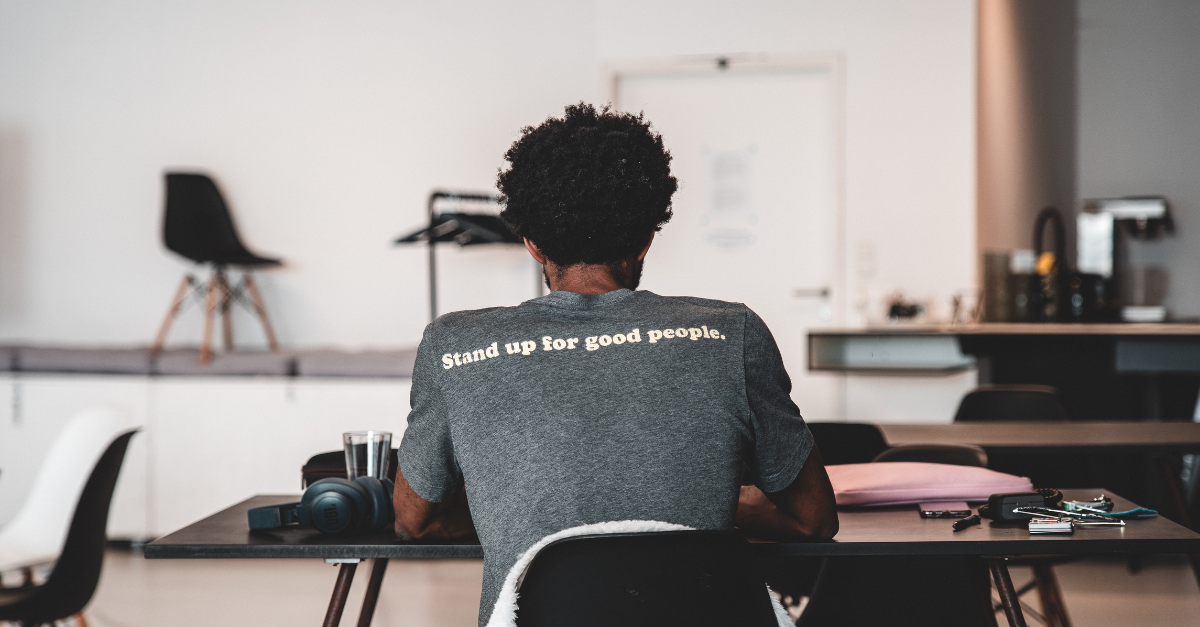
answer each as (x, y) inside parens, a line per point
(804, 509)
(418, 519)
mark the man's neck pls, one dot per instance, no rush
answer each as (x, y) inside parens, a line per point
(588, 278)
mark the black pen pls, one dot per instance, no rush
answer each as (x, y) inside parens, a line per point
(963, 523)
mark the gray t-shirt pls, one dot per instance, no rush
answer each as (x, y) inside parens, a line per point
(572, 409)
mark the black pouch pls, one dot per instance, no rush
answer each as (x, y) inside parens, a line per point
(333, 464)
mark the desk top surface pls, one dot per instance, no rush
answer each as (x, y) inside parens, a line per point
(1018, 328)
(864, 531)
(1044, 436)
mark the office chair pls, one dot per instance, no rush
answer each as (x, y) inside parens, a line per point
(912, 590)
(1001, 403)
(77, 570)
(666, 579)
(954, 454)
(197, 225)
(847, 442)
(1011, 403)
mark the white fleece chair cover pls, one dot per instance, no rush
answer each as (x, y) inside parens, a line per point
(504, 613)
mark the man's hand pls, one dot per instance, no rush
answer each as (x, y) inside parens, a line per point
(804, 509)
(418, 519)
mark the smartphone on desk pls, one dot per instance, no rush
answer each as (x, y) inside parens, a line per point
(944, 509)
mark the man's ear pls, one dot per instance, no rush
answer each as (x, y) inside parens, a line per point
(535, 253)
(641, 255)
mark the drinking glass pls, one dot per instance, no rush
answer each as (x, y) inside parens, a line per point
(367, 453)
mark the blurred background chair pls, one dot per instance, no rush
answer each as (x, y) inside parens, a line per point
(847, 442)
(63, 521)
(955, 454)
(696, 578)
(1010, 403)
(197, 225)
(916, 590)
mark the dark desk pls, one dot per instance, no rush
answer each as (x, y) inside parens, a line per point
(1130, 437)
(877, 531)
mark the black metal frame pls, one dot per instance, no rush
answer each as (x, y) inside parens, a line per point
(464, 229)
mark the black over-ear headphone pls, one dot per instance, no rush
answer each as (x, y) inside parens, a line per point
(333, 506)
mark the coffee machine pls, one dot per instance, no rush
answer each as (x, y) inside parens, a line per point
(1105, 287)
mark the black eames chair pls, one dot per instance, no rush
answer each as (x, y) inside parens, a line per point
(915, 590)
(667, 579)
(73, 581)
(198, 226)
(1007, 403)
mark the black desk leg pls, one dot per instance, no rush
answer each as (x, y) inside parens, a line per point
(1174, 485)
(378, 569)
(341, 590)
(1008, 595)
(983, 584)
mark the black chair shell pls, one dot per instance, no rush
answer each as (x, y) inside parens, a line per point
(73, 581)
(954, 454)
(1009, 403)
(847, 442)
(668, 579)
(197, 224)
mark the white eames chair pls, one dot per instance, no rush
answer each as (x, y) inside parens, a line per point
(37, 534)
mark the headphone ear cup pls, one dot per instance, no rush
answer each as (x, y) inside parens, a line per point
(379, 515)
(335, 505)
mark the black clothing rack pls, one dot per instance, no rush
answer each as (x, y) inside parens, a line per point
(464, 229)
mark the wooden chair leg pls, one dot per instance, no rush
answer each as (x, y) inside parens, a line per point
(225, 310)
(210, 309)
(260, 309)
(80, 620)
(180, 295)
(1051, 596)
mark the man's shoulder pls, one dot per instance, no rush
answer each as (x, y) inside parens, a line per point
(695, 304)
(470, 319)
(707, 303)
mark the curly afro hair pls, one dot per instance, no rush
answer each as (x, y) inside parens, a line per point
(591, 187)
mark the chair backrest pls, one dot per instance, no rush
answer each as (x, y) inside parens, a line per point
(847, 442)
(73, 581)
(37, 533)
(684, 578)
(956, 454)
(196, 221)
(1008, 403)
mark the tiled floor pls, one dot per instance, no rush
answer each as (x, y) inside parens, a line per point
(138, 593)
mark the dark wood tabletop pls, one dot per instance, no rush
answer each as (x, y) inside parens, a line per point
(1178, 437)
(864, 531)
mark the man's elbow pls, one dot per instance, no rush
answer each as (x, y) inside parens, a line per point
(827, 527)
(822, 527)
(411, 529)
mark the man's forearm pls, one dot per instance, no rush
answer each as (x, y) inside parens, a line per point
(805, 508)
(418, 519)
(757, 515)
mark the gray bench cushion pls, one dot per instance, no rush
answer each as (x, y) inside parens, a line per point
(94, 360)
(247, 363)
(331, 363)
(8, 358)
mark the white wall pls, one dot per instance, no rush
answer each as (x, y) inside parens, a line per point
(327, 123)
